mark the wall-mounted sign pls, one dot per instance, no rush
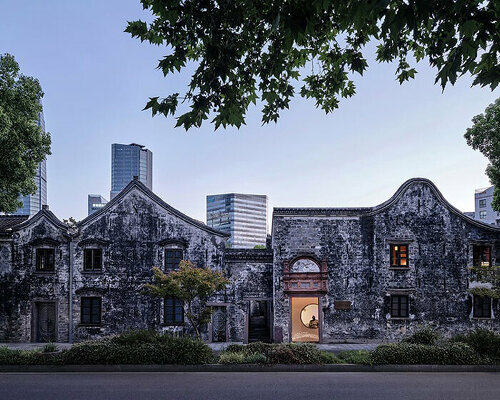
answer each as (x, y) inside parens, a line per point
(342, 305)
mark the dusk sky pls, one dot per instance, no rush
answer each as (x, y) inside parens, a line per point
(97, 79)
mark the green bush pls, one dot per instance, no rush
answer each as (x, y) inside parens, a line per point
(242, 358)
(137, 337)
(27, 357)
(291, 353)
(49, 348)
(483, 341)
(328, 358)
(356, 357)
(167, 350)
(425, 335)
(409, 353)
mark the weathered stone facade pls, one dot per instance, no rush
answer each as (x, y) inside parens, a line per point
(328, 274)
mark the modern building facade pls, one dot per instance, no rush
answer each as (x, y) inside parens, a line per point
(95, 202)
(483, 210)
(243, 216)
(128, 161)
(330, 274)
(32, 203)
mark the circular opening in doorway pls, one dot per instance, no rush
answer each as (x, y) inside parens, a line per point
(309, 316)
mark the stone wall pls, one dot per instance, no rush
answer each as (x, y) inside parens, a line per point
(355, 243)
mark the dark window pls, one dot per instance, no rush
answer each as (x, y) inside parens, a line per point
(482, 307)
(174, 311)
(399, 255)
(91, 311)
(45, 259)
(482, 256)
(482, 203)
(399, 306)
(172, 259)
(92, 259)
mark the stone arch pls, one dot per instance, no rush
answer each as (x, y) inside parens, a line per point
(305, 264)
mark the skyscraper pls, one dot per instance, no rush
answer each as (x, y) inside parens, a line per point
(127, 161)
(95, 202)
(243, 216)
(32, 203)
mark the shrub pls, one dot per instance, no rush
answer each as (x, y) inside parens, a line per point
(136, 337)
(128, 349)
(409, 353)
(356, 357)
(485, 342)
(235, 348)
(259, 347)
(425, 335)
(49, 348)
(292, 353)
(242, 358)
(328, 358)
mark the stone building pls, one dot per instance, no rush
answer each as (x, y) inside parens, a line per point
(330, 273)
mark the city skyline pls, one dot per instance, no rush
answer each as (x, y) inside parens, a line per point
(356, 156)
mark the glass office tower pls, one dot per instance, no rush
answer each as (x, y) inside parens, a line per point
(243, 216)
(95, 202)
(127, 161)
(32, 203)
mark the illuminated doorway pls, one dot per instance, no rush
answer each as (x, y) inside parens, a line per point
(305, 319)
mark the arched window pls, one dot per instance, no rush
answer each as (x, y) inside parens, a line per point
(304, 265)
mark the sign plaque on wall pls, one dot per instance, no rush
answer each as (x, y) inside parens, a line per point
(342, 305)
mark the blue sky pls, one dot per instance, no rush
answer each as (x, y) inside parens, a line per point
(97, 79)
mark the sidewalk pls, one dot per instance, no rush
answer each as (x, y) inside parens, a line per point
(217, 347)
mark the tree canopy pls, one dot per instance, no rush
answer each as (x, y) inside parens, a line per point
(484, 135)
(249, 50)
(193, 286)
(23, 144)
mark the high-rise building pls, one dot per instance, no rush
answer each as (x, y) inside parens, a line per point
(483, 210)
(32, 203)
(127, 161)
(243, 216)
(95, 202)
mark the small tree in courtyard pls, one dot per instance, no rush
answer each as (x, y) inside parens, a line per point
(193, 286)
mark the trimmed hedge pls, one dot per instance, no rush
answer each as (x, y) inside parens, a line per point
(425, 335)
(290, 353)
(242, 358)
(356, 357)
(129, 348)
(483, 341)
(409, 353)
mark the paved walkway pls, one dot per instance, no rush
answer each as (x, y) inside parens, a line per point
(217, 347)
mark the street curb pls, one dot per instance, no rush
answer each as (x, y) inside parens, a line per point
(250, 368)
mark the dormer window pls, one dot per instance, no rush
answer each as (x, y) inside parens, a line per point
(399, 255)
(45, 259)
(92, 259)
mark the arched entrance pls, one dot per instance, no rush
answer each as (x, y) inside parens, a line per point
(305, 281)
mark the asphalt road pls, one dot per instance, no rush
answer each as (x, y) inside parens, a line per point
(249, 385)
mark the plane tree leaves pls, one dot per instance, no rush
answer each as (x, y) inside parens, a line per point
(246, 51)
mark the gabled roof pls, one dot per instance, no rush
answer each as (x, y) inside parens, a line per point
(138, 185)
(43, 213)
(367, 211)
(7, 222)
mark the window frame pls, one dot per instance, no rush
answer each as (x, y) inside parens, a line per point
(399, 314)
(92, 268)
(398, 255)
(46, 257)
(478, 305)
(482, 203)
(478, 255)
(172, 310)
(483, 214)
(91, 322)
(175, 266)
